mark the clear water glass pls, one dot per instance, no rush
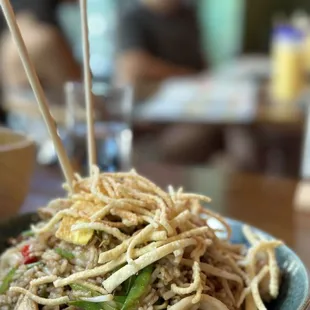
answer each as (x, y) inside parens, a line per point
(113, 134)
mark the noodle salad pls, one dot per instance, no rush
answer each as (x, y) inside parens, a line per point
(119, 242)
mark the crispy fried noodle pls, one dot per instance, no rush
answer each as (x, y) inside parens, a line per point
(119, 242)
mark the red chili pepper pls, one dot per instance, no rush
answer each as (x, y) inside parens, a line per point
(25, 250)
(28, 258)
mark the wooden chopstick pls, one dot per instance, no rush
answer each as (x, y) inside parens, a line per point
(91, 146)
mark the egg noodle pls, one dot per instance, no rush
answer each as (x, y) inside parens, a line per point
(125, 224)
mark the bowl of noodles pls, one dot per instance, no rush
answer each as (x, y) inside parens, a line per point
(119, 242)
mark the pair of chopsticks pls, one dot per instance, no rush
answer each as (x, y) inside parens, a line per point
(41, 97)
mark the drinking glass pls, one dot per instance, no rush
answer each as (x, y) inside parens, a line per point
(112, 126)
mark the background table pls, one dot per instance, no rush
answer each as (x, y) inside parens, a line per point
(264, 202)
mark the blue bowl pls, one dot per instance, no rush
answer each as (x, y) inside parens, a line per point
(294, 290)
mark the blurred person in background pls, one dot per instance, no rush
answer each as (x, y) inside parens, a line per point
(47, 46)
(53, 61)
(160, 39)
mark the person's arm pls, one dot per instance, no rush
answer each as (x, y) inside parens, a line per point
(135, 65)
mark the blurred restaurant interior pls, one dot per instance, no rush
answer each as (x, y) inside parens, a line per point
(212, 84)
(244, 107)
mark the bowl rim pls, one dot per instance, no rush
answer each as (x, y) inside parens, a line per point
(24, 142)
(306, 301)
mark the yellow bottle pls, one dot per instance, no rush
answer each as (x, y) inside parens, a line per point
(287, 77)
(301, 21)
(307, 53)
